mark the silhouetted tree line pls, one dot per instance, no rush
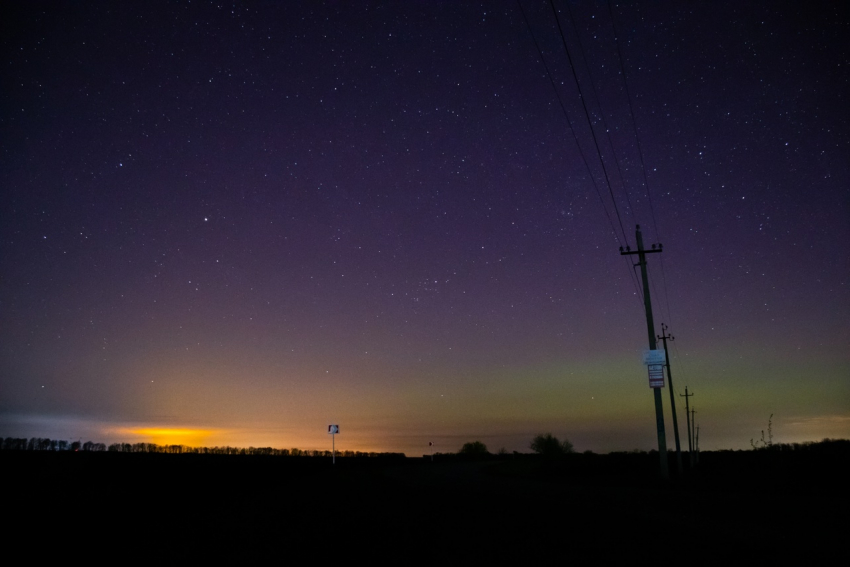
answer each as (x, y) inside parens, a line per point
(545, 444)
(826, 444)
(42, 444)
(548, 445)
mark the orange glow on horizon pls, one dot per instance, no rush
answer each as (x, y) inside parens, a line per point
(168, 436)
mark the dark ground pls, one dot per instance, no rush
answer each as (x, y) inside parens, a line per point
(762, 506)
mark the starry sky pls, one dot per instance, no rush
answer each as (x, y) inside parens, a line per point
(236, 224)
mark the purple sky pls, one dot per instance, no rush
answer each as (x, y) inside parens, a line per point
(250, 222)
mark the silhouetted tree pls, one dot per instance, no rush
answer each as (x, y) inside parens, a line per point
(548, 445)
(474, 448)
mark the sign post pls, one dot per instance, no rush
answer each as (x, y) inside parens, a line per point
(332, 431)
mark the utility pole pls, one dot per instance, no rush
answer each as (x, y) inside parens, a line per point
(696, 443)
(686, 395)
(664, 336)
(693, 425)
(650, 327)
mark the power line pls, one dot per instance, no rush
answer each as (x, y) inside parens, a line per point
(632, 275)
(599, 104)
(664, 286)
(640, 154)
(572, 130)
(679, 360)
(587, 117)
(655, 292)
(634, 122)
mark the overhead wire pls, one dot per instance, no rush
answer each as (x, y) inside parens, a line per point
(634, 278)
(640, 154)
(596, 96)
(664, 317)
(680, 366)
(664, 287)
(633, 274)
(587, 117)
(634, 121)
(569, 123)
(668, 316)
(638, 292)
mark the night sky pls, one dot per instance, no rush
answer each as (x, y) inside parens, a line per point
(236, 224)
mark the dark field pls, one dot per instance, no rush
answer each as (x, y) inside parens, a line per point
(777, 506)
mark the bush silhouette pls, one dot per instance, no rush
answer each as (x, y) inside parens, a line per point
(548, 445)
(474, 448)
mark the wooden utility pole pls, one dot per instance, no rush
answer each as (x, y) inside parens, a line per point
(664, 336)
(694, 429)
(686, 395)
(650, 327)
(696, 443)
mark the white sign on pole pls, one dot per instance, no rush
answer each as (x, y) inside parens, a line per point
(656, 375)
(333, 429)
(654, 357)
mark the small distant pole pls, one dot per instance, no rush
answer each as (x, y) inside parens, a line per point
(333, 430)
(686, 395)
(693, 424)
(431, 448)
(696, 442)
